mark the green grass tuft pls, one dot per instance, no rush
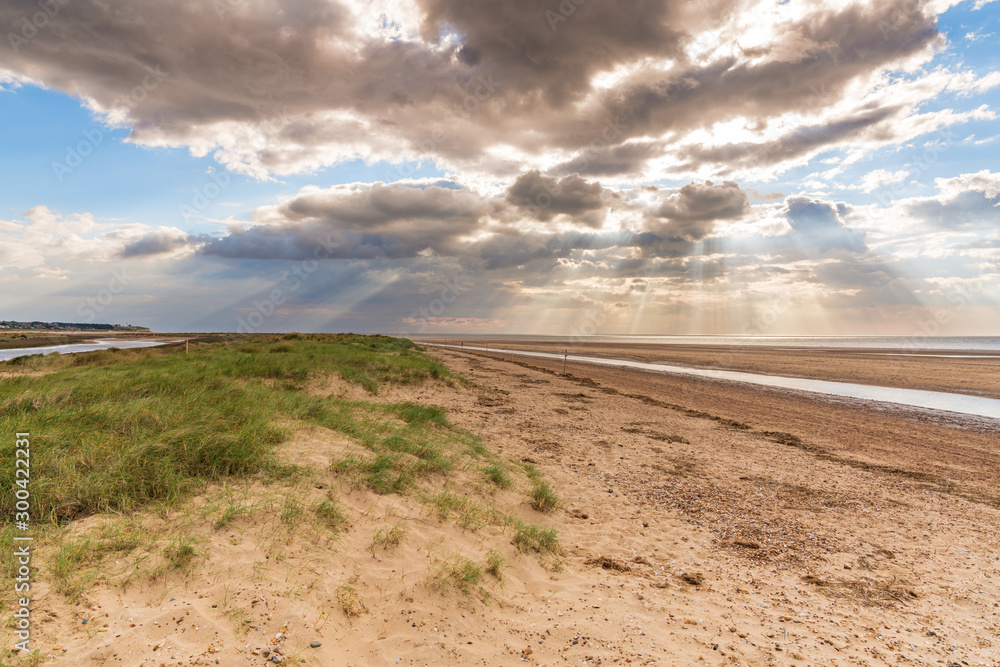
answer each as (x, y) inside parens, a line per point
(530, 537)
(387, 537)
(495, 563)
(543, 498)
(181, 552)
(496, 473)
(292, 511)
(330, 513)
(462, 573)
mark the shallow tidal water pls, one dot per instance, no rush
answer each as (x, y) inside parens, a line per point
(933, 400)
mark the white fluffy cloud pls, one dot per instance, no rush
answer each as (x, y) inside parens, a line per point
(876, 179)
(43, 239)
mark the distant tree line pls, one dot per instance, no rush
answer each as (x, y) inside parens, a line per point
(68, 326)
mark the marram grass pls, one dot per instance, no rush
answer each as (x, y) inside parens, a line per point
(114, 430)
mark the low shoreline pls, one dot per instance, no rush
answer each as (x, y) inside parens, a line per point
(893, 435)
(24, 338)
(977, 374)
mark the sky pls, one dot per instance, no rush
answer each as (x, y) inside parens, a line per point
(565, 167)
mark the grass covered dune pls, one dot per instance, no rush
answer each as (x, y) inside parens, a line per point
(114, 430)
(117, 429)
(315, 468)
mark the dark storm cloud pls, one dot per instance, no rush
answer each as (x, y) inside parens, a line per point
(406, 221)
(692, 212)
(229, 66)
(544, 197)
(705, 201)
(626, 159)
(386, 208)
(316, 90)
(395, 221)
(555, 59)
(800, 141)
(179, 67)
(824, 52)
(156, 242)
(289, 242)
(403, 221)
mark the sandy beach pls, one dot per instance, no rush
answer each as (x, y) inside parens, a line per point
(962, 371)
(701, 523)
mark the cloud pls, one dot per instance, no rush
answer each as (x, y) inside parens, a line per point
(46, 236)
(876, 179)
(556, 60)
(384, 208)
(819, 225)
(691, 212)
(983, 181)
(801, 141)
(965, 201)
(368, 255)
(488, 91)
(628, 159)
(156, 242)
(406, 220)
(556, 125)
(545, 197)
(358, 221)
(825, 51)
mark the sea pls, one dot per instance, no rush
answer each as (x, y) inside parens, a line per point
(904, 343)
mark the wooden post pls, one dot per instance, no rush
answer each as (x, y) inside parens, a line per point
(565, 354)
(186, 344)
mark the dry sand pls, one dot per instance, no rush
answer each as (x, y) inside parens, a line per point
(703, 523)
